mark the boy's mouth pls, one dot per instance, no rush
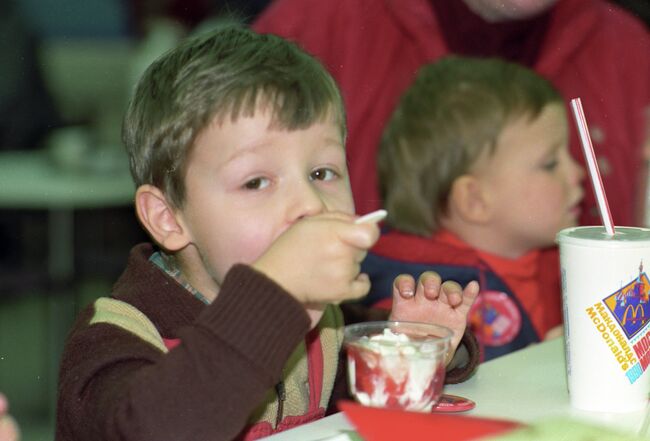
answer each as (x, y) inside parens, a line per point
(575, 208)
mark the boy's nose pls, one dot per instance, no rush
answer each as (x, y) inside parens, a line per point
(305, 201)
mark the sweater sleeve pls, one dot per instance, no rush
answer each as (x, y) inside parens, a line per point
(115, 386)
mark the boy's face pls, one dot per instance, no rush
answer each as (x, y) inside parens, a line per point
(533, 183)
(246, 183)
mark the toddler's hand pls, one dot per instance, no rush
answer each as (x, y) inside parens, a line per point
(318, 258)
(432, 301)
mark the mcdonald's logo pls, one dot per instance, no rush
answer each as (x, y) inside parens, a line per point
(635, 312)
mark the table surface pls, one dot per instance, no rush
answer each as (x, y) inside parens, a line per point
(528, 385)
(30, 180)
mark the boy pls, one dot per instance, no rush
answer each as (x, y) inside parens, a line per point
(477, 180)
(228, 328)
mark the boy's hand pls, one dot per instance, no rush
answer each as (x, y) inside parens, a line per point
(432, 301)
(318, 258)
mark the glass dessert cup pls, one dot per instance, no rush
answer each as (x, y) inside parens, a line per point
(399, 365)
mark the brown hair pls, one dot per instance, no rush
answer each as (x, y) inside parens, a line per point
(222, 74)
(454, 110)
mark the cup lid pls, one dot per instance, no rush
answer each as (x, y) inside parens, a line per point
(597, 236)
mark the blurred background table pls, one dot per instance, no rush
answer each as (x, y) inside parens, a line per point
(526, 386)
(30, 180)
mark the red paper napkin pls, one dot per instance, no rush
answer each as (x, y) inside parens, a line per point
(374, 424)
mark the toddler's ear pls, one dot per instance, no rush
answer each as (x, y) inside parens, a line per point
(469, 200)
(160, 219)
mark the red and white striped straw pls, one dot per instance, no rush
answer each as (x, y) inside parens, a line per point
(594, 173)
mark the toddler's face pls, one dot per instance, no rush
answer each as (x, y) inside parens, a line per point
(534, 184)
(246, 183)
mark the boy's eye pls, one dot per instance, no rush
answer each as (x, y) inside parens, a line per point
(323, 174)
(257, 184)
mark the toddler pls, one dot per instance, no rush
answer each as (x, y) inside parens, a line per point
(477, 180)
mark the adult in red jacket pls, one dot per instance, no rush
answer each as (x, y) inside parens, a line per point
(590, 49)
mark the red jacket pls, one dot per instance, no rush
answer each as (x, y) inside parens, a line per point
(592, 50)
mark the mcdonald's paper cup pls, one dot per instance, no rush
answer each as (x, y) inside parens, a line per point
(605, 292)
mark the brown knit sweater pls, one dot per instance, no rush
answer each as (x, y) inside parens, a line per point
(114, 385)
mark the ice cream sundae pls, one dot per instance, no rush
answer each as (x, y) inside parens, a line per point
(396, 364)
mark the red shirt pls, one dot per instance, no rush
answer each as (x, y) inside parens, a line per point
(522, 275)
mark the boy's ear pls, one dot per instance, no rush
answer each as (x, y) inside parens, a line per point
(470, 200)
(160, 219)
